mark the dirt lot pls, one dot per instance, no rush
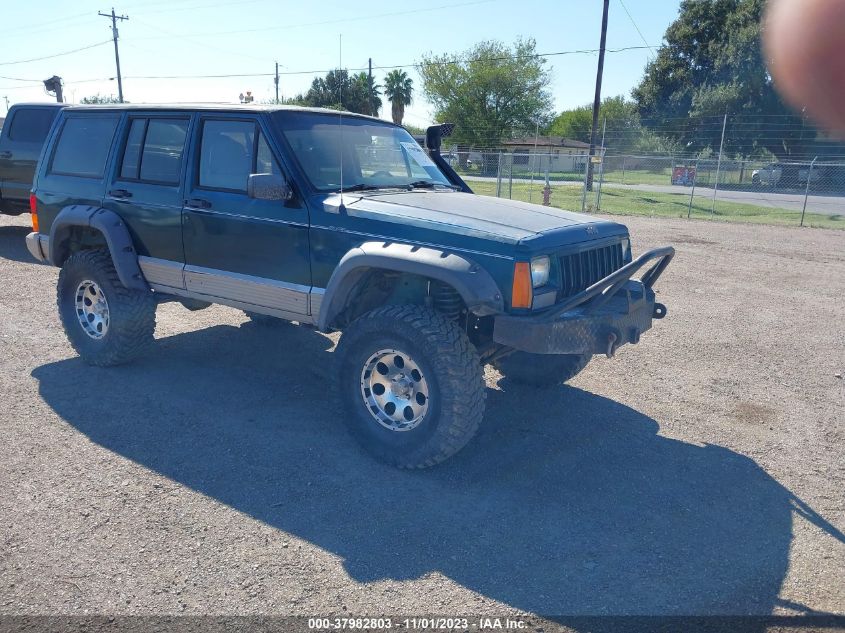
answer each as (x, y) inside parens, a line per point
(701, 472)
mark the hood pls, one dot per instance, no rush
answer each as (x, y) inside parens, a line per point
(483, 217)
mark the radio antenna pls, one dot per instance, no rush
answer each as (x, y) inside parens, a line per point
(340, 113)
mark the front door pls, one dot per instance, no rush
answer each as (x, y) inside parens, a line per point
(250, 252)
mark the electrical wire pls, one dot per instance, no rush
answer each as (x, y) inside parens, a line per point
(356, 18)
(37, 59)
(38, 25)
(411, 65)
(642, 37)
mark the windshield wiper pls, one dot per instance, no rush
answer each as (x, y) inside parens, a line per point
(427, 184)
(359, 187)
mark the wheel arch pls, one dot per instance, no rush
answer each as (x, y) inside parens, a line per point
(476, 287)
(115, 235)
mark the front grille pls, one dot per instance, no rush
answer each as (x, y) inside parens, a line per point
(579, 271)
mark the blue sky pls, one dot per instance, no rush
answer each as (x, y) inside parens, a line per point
(216, 37)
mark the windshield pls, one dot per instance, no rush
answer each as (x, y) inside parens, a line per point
(373, 155)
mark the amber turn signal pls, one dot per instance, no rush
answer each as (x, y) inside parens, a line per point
(521, 295)
(33, 210)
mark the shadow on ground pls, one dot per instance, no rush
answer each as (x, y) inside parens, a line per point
(13, 244)
(566, 503)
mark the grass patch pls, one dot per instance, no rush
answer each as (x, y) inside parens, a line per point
(670, 205)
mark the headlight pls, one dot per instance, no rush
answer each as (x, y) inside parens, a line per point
(540, 267)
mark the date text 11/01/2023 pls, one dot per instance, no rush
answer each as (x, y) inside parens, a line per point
(417, 624)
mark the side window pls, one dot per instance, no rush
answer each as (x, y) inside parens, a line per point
(161, 159)
(132, 153)
(30, 125)
(83, 147)
(226, 149)
(154, 150)
(265, 163)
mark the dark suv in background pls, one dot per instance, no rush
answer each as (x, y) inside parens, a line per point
(338, 222)
(21, 140)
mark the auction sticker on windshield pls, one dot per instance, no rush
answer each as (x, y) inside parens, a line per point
(418, 154)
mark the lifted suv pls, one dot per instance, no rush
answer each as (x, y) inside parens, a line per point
(339, 222)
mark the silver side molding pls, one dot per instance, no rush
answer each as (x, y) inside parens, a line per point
(257, 294)
(162, 272)
(248, 289)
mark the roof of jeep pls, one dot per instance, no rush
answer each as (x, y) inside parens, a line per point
(218, 107)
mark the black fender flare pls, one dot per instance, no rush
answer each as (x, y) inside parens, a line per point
(475, 285)
(115, 233)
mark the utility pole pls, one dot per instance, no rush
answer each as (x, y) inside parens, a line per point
(370, 85)
(276, 81)
(597, 98)
(114, 19)
(7, 104)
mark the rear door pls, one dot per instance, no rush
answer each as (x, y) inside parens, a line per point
(249, 251)
(21, 141)
(145, 189)
(75, 167)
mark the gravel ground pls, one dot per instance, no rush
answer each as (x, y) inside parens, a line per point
(700, 472)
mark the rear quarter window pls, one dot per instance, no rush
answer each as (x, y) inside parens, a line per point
(30, 125)
(83, 146)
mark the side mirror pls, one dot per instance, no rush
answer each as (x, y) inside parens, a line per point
(268, 187)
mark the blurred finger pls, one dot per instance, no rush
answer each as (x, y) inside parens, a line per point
(803, 42)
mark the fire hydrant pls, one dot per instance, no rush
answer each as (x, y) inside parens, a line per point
(547, 195)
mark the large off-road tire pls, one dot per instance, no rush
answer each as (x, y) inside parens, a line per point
(411, 384)
(105, 322)
(541, 370)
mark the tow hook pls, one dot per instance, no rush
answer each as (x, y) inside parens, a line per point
(659, 311)
(611, 344)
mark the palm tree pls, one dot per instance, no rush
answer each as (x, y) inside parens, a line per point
(398, 88)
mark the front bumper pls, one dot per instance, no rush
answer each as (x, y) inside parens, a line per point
(608, 314)
(38, 245)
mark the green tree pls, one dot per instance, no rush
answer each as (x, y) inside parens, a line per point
(360, 89)
(711, 64)
(625, 134)
(399, 89)
(489, 91)
(621, 117)
(340, 91)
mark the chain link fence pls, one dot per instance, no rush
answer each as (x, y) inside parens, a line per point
(806, 193)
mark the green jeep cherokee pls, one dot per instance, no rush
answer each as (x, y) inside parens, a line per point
(338, 222)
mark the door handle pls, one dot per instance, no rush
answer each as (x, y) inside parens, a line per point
(120, 193)
(197, 203)
(6, 154)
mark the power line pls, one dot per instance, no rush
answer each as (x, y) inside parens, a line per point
(18, 79)
(194, 40)
(38, 59)
(172, 9)
(334, 21)
(412, 65)
(628, 13)
(40, 24)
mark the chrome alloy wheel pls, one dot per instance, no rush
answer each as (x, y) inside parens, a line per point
(394, 389)
(92, 309)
